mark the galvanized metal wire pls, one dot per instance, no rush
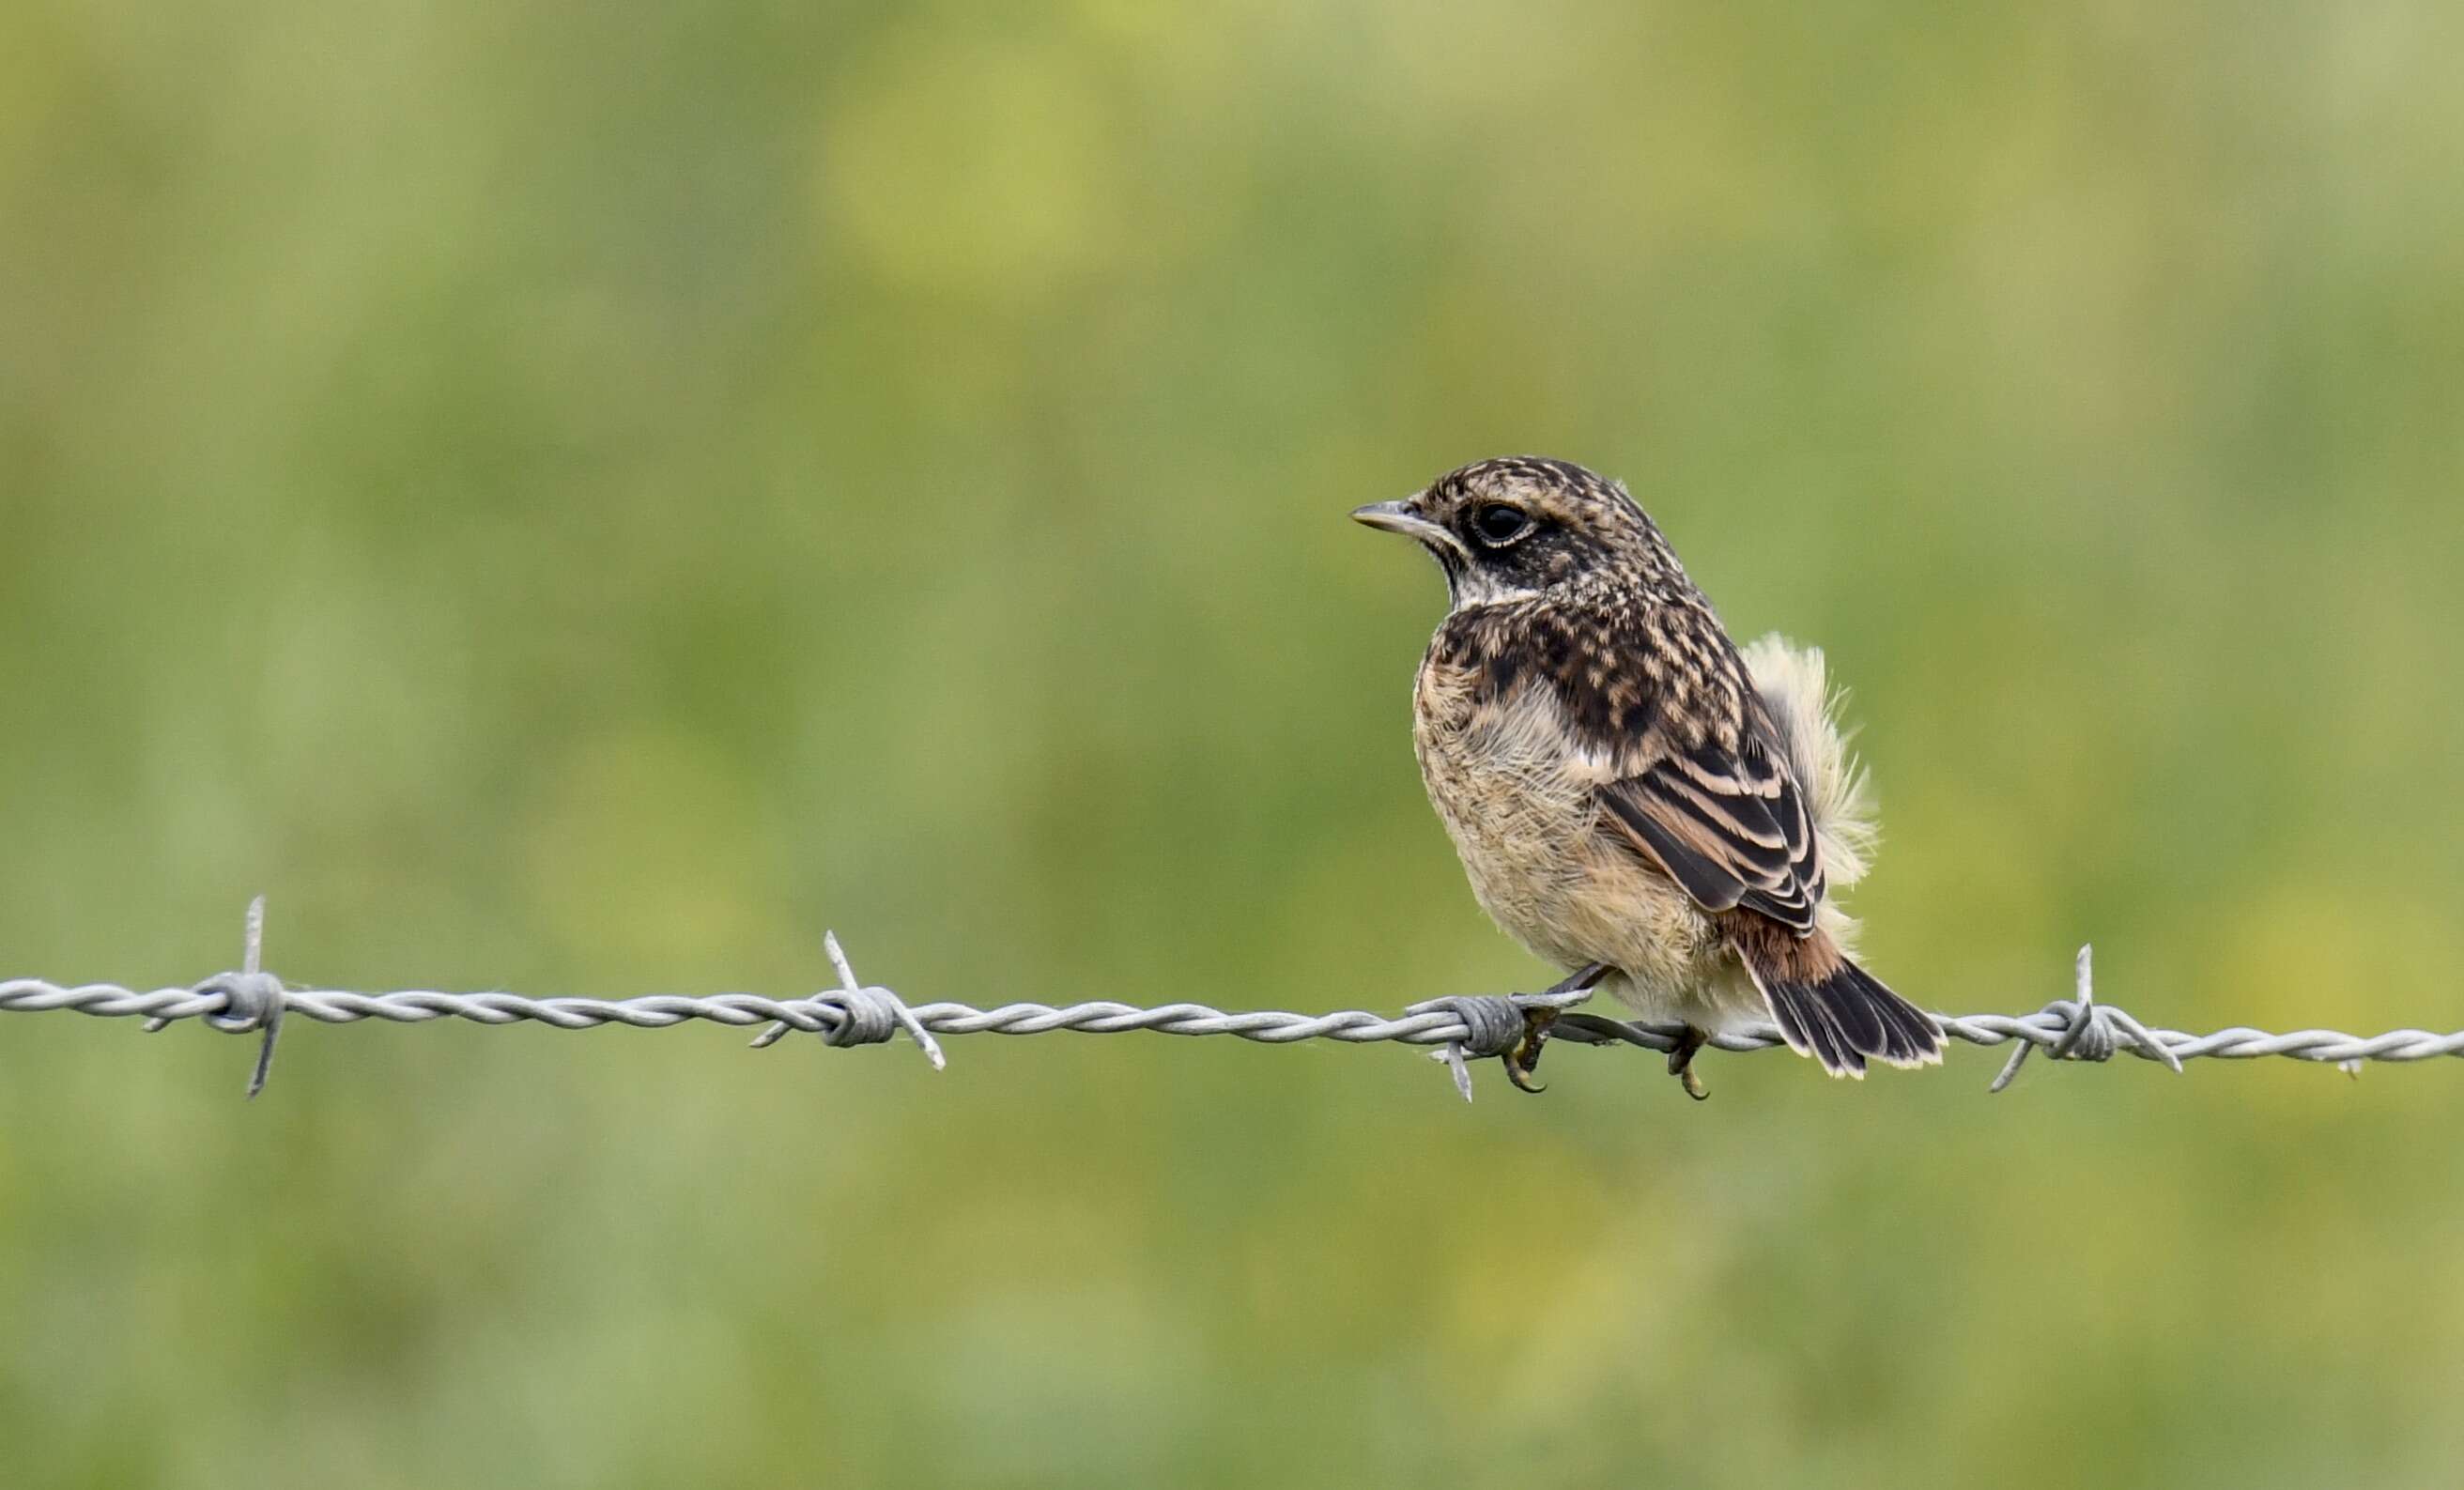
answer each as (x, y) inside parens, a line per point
(253, 1001)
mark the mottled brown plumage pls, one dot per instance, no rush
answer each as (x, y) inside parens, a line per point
(1618, 787)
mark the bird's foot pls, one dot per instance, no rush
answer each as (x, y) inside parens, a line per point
(1681, 1062)
(1524, 1058)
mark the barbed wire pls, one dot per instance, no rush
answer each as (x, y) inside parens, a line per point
(1465, 1027)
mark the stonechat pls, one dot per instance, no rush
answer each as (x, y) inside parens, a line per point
(1634, 799)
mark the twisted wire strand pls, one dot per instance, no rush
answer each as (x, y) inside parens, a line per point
(253, 1001)
(824, 1013)
(818, 1013)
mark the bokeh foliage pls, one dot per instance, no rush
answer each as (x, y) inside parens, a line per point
(575, 497)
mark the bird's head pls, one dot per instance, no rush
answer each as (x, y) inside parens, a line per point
(1521, 526)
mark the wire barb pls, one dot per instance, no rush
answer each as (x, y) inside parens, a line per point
(866, 1016)
(2090, 1031)
(251, 999)
(1492, 1025)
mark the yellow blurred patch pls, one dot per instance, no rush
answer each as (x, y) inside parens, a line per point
(967, 167)
(646, 853)
(2293, 957)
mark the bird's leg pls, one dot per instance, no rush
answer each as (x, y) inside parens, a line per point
(1524, 1058)
(1681, 1062)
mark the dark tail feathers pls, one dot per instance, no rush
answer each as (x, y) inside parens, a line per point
(1847, 1016)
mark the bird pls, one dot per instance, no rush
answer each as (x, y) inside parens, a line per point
(1635, 800)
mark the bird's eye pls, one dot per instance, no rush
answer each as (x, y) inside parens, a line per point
(1499, 524)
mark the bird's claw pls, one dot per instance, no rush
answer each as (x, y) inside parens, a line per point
(1524, 1058)
(1681, 1063)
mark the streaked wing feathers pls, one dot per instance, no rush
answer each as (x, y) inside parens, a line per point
(1731, 828)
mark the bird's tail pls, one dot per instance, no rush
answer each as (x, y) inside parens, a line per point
(1831, 1008)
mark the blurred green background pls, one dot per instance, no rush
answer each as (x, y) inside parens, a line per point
(578, 498)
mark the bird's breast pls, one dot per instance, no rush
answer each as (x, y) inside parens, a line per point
(1515, 793)
(1519, 796)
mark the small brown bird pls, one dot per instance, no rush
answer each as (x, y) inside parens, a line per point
(1632, 800)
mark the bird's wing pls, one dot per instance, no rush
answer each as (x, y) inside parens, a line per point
(1729, 825)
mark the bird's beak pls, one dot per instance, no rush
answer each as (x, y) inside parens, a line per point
(1402, 517)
